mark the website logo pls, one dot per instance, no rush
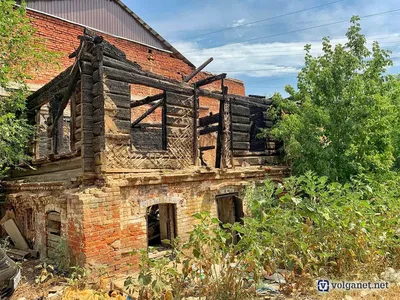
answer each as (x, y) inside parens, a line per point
(323, 286)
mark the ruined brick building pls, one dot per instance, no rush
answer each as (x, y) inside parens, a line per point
(126, 150)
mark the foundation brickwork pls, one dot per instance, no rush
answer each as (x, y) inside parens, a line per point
(102, 225)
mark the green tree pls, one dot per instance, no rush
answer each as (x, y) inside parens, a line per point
(21, 53)
(343, 119)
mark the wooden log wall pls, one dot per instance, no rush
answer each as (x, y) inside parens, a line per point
(112, 75)
(249, 116)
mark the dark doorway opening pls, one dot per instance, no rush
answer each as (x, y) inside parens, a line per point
(230, 210)
(161, 224)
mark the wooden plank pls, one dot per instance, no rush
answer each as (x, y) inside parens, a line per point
(16, 236)
(240, 127)
(241, 145)
(208, 120)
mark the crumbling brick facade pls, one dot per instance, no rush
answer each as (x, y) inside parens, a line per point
(98, 198)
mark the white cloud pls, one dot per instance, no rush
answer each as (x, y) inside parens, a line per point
(267, 59)
(239, 22)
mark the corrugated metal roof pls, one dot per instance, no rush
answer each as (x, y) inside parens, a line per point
(109, 16)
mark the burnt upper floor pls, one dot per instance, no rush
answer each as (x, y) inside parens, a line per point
(94, 119)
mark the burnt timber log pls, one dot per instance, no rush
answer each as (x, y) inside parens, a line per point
(209, 80)
(208, 120)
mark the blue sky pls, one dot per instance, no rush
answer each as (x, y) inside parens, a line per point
(266, 64)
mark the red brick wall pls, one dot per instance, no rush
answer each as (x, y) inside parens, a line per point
(61, 36)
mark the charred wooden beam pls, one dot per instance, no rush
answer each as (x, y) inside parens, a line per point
(144, 79)
(205, 148)
(209, 129)
(153, 108)
(44, 94)
(211, 119)
(209, 80)
(205, 93)
(147, 100)
(198, 70)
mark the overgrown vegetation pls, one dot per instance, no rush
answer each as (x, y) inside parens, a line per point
(21, 53)
(206, 265)
(321, 228)
(343, 119)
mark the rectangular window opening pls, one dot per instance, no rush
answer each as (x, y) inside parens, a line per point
(148, 119)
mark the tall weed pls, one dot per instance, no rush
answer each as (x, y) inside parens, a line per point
(319, 228)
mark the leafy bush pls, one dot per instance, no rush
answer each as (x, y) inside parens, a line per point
(22, 53)
(343, 118)
(315, 227)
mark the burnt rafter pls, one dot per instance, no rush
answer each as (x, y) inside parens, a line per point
(148, 112)
(209, 80)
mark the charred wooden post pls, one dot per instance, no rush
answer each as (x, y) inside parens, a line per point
(220, 138)
(164, 122)
(195, 134)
